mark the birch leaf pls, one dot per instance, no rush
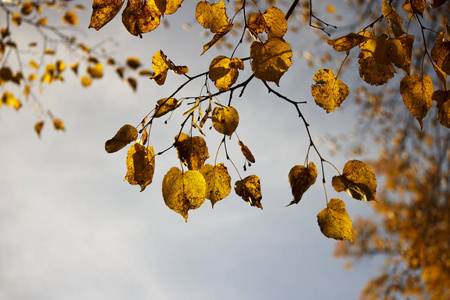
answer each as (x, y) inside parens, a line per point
(123, 137)
(218, 182)
(192, 151)
(249, 189)
(334, 221)
(104, 11)
(300, 179)
(416, 92)
(140, 165)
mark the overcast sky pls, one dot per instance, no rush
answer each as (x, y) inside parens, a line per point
(70, 228)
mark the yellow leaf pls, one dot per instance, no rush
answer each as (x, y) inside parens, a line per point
(329, 92)
(27, 8)
(161, 65)
(16, 19)
(165, 105)
(270, 59)
(441, 53)
(225, 119)
(416, 6)
(183, 191)
(334, 221)
(416, 93)
(125, 135)
(70, 18)
(96, 71)
(218, 182)
(247, 153)
(104, 11)
(407, 43)
(395, 23)
(42, 21)
(443, 105)
(224, 71)
(49, 52)
(192, 151)
(331, 9)
(211, 16)
(346, 43)
(222, 32)
(300, 179)
(358, 180)
(140, 165)
(86, 81)
(256, 23)
(33, 64)
(74, 67)
(133, 62)
(249, 189)
(133, 83)
(276, 24)
(168, 7)
(59, 125)
(141, 17)
(9, 99)
(38, 127)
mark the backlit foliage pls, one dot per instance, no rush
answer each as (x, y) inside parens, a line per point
(397, 49)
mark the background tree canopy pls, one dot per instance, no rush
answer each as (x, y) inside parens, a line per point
(385, 62)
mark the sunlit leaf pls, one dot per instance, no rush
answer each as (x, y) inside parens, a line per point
(276, 24)
(346, 43)
(86, 81)
(183, 191)
(27, 8)
(38, 127)
(441, 53)
(140, 165)
(132, 82)
(329, 92)
(141, 17)
(168, 7)
(104, 11)
(211, 16)
(70, 18)
(334, 221)
(96, 71)
(247, 153)
(42, 21)
(224, 71)
(300, 179)
(358, 180)
(161, 65)
(58, 124)
(443, 104)
(165, 105)
(249, 189)
(225, 119)
(125, 135)
(256, 23)
(407, 43)
(16, 19)
(416, 93)
(133, 62)
(395, 23)
(9, 99)
(192, 151)
(222, 32)
(270, 59)
(218, 182)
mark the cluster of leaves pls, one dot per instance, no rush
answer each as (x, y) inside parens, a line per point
(40, 63)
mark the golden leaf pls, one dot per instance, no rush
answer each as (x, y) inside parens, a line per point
(416, 92)
(443, 104)
(140, 165)
(358, 180)
(168, 7)
(270, 59)
(59, 124)
(441, 53)
(225, 119)
(161, 65)
(9, 99)
(70, 18)
(300, 179)
(276, 24)
(141, 17)
(247, 153)
(27, 8)
(211, 16)
(165, 105)
(249, 189)
(86, 81)
(334, 221)
(346, 43)
(256, 23)
(395, 23)
(104, 11)
(38, 127)
(96, 71)
(133, 83)
(16, 19)
(414, 6)
(183, 191)
(125, 135)
(133, 62)
(222, 32)
(6, 74)
(42, 21)
(407, 43)
(437, 3)
(328, 92)
(192, 151)
(224, 71)
(218, 182)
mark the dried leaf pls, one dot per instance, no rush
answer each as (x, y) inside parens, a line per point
(133, 62)
(165, 105)
(358, 180)
(256, 23)
(96, 71)
(183, 191)
(168, 7)
(224, 71)
(27, 8)
(140, 165)
(443, 104)
(334, 221)
(414, 6)
(346, 43)
(328, 92)
(247, 153)
(104, 11)
(276, 23)
(59, 125)
(161, 65)
(125, 135)
(225, 119)
(38, 127)
(441, 53)
(9, 99)
(249, 189)
(211, 16)
(222, 32)
(70, 18)
(416, 92)
(300, 179)
(395, 22)
(270, 59)
(407, 43)
(192, 151)
(218, 182)
(141, 17)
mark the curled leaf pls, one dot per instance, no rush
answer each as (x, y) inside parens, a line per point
(328, 92)
(123, 137)
(140, 165)
(161, 65)
(334, 221)
(192, 151)
(443, 106)
(249, 189)
(218, 182)
(104, 11)
(224, 71)
(225, 119)
(346, 43)
(141, 17)
(247, 153)
(211, 16)
(165, 105)
(38, 127)
(358, 180)
(300, 179)
(183, 191)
